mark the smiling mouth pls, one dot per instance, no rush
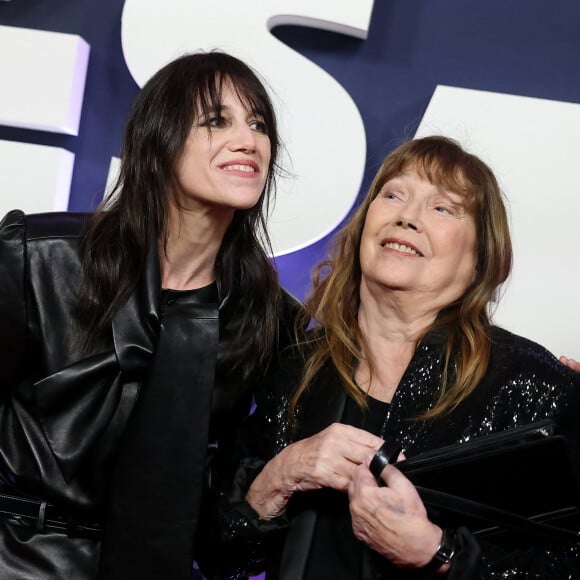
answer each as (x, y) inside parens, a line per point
(244, 168)
(401, 248)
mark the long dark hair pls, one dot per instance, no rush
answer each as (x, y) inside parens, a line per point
(134, 215)
(334, 301)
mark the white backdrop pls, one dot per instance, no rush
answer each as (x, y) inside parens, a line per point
(533, 147)
(532, 144)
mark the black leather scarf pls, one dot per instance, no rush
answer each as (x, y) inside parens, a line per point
(153, 509)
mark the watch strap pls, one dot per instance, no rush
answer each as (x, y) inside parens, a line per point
(444, 553)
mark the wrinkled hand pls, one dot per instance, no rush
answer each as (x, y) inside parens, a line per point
(326, 459)
(392, 520)
(571, 363)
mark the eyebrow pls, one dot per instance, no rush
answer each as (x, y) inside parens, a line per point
(217, 108)
(452, 195)
(226, 108)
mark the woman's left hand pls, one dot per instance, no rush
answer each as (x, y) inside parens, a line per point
(570, 363)
(392, 520)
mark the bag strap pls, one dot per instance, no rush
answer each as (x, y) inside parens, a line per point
(467, 507)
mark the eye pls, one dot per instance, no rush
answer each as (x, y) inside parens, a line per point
(259, 126)
(449, 208)
(445, 209)
(390, 194)
(215, 122)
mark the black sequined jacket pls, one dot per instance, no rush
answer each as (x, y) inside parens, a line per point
(524, 383)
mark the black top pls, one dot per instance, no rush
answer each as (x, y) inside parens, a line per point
(206, 295)
(221, 401)
(336, 553)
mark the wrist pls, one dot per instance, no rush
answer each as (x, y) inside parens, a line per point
(268, 494)
(446, 550)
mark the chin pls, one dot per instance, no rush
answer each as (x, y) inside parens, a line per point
(245, 202)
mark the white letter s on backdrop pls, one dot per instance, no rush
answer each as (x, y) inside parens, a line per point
(320, 124)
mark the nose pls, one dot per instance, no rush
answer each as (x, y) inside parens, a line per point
(410, 215)
(242, 138)
(406, 223)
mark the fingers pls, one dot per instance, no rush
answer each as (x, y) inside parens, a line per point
(400, 492)
(355, 445)
(394, 479)
(328, 458)
(362, 478)
(392, 520)
(348, 433)
(341, 448)
(571, 363)
(387, 454)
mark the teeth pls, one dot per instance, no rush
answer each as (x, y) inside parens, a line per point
(246, 168)
(401, 248)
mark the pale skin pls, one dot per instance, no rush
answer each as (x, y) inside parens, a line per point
(187, 262)
(571, 363)
(222, 168)
(392, 520)
(327, 459)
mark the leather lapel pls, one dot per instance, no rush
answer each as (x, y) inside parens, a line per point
(136, 324)
(164, 469)
(93, 387)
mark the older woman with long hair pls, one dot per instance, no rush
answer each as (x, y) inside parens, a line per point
(401, 347)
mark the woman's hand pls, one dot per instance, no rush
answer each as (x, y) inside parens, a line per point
(327, 459)
(571, 363)
(392, 520)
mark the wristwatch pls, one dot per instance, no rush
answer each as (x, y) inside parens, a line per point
(444, 553)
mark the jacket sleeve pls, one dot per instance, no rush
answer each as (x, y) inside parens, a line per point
(556, 562)
(13, 308)
(537, 386)
(246, 540)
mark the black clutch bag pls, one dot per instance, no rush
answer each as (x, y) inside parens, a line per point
(523, 479)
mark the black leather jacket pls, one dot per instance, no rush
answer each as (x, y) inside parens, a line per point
(62, 411)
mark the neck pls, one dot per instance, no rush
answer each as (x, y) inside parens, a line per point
(188, 257)
(391, 327)
(396, 316)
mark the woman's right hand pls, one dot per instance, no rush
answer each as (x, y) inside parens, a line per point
(326, 459)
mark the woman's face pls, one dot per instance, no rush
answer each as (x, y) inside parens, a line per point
(420, 239)
(225, 160)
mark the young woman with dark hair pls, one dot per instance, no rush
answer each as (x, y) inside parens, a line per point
(131, 337)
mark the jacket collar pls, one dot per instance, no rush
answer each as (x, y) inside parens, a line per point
(136, 323)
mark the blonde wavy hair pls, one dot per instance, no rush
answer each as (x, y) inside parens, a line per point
(334, 300)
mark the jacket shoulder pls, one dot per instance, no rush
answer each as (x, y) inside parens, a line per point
(516, 360)
(506, 344)
(55, 225)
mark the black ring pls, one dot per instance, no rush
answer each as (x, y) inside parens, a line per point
(387, 453)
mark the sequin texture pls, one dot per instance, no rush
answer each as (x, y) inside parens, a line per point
(524, 383)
